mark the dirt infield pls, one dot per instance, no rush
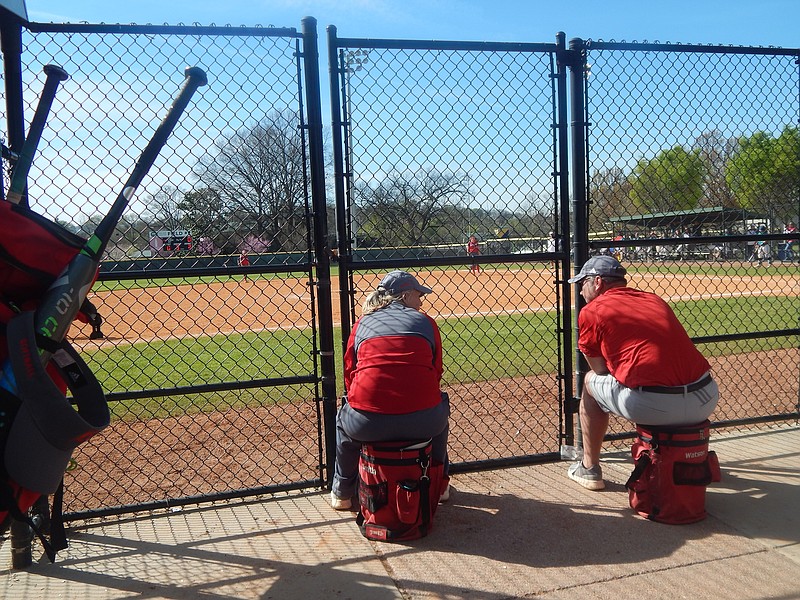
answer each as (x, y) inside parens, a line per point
(202, 454)
(147, 314)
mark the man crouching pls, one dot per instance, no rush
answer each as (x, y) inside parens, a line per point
(644, 367)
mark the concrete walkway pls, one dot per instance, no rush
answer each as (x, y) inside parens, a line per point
(515, 533)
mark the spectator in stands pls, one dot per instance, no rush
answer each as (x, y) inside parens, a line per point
(392, 378)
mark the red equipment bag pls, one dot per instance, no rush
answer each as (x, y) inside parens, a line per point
(399, 489)
(39, 427)
(673, 469)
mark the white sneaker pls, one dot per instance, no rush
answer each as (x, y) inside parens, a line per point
(445, 495)
(340, 503)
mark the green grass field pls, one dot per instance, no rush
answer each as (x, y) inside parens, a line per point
(475, 349)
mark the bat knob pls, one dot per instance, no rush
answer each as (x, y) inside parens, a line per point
(196, 73)
(56, 71)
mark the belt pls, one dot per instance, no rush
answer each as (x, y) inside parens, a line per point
(679, 389)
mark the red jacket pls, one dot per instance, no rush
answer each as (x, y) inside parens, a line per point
(393, 361)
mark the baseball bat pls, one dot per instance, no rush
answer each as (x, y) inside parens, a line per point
(65, 295)
(19, 176)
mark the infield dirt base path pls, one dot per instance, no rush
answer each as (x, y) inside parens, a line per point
(147, 314)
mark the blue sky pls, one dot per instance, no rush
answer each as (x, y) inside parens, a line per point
(737, 22)
(732, 22)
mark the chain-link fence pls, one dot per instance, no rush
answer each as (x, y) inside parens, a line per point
(208, 346)
(694, 183)
(460, 162)
(447, 168)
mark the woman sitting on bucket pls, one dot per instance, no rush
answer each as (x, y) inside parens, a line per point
(392, 374)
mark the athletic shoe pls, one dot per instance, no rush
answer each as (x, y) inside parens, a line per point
(445, 495)
(340, 503)
(96, 335)
(591, 479)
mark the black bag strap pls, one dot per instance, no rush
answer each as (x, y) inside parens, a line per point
(8, 501)
(664, 435)
(425, 491)
(58, 534)
(641, 464)
(390, 462)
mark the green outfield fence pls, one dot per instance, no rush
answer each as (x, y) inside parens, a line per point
(224, 379)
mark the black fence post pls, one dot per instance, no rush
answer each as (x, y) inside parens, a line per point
(567, 405)
(11, 45)
(321, 249)
(344, 243)
(580, 211)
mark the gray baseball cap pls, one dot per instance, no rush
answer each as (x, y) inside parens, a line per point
(604, 266)
(398, 282)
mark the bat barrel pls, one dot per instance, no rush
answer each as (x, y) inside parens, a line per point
(195, 78)
(19, 176)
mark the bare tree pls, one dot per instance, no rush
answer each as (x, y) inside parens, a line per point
(410, 209)
(715, 151)
(259, 173)
(536, 215)
(610, 196)
(163, 208)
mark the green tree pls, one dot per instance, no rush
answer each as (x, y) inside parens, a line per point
(671, 181)
(765, 173)
(205, 215)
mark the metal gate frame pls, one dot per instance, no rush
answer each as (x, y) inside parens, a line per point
(343, 177)
(314, 265)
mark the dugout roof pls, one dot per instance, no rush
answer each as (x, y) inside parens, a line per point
(681, 218)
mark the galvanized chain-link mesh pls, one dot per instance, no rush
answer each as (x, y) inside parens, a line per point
(209, 363)
(692, 158)
(445, 144)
